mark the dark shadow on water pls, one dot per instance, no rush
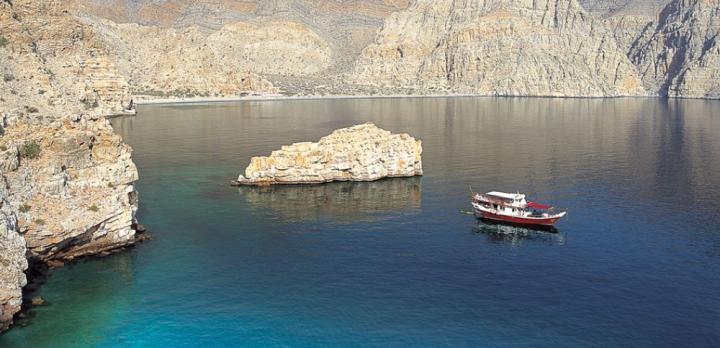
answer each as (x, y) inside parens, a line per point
(516, 235)
(343, 202)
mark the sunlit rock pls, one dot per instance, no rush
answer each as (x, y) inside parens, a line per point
(359, 153)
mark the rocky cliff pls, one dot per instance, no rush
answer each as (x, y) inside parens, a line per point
(188, 61)
(502, 47)
(12, 263)
(71, 182)
(67, 179)
(680, 55)
(497, 47)
(347, 26)
(608, 8)
(66, 61)
(359, 153)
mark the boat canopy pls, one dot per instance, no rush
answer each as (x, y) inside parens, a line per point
(534, 205)
(503, 195)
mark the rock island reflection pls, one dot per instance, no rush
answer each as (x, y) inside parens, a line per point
(343, 202)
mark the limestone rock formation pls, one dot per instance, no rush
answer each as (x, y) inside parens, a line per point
(629, 29)
(188, 61)
(67, 179)
(608, 8)
(12, 264)
(497, 47)
(501, 47)
(681, 56)
(346, 25)
(49, 43)
(358, 153)
(72, 184)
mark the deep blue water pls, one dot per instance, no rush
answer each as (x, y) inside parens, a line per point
(398, 262)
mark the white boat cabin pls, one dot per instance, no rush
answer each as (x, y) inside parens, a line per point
(511, 200)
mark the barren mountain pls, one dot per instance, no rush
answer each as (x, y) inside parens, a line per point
(346, 25)
(502, 47)
(680, 57)
(499, 47)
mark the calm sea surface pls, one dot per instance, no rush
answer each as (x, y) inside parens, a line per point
(398, 262)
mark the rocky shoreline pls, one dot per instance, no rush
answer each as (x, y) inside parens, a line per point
(68, 193)
(67, 179)
(38, 271)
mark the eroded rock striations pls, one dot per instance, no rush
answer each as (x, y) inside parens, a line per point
(501, 47)
(71, 182)
(607, 8)
(306, 47)
(67, 61)
(346, 25)
(12, 263)
(66, 179)
(681, 56)
(229, 61)
(358, 153)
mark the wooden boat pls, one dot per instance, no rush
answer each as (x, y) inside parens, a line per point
(514, 208)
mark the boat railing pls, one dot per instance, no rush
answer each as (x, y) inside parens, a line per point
(478, 197)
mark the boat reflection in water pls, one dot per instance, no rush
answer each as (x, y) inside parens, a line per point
(343, 202)
(516, 234)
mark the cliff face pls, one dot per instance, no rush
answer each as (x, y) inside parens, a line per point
(607, 8)
(485, 47)
(67, 61)
(359, 153)
(168, 61)
(66, 177)
(12, 264)
(681, 55)
(75, 196)
(629, 30)
(502, 47)
(346, 25)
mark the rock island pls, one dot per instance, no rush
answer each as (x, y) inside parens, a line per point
(358, 153)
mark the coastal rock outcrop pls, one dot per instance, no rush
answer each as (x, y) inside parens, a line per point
(358, 153)
(499, 47)
(66, 179)
(12, 264)
(72, 184)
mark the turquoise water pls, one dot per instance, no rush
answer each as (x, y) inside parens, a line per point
(397, 262)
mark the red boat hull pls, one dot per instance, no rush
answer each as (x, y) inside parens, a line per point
(519, 220)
